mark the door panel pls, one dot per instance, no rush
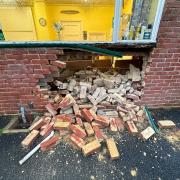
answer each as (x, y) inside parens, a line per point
(71, 31)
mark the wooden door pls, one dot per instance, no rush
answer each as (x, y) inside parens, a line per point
(71, 31)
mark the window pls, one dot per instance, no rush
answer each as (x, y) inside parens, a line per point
(80, 20)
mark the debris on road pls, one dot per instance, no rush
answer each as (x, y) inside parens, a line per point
(89, 107)
(165, 124)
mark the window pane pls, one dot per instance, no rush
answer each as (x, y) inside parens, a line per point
(52, 20)
(137, 19)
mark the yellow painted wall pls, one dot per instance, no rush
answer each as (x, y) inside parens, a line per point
(17, 23)
(39, 11)
(94, 19)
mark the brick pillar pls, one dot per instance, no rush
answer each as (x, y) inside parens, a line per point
(162, 78)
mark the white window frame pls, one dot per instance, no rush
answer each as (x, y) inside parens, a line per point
(116, 28)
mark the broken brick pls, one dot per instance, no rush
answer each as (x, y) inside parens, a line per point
(76, 110)
(79, 121)
(64, 117)
(119, 124)
(61, 125)
(91, 147)
(99, 134)
(47, 130)
(113, 125)
(83, 91)
(88, 128)
(46, 145)
(51, 109)
(87, 115)
(91, 99)
(112, 148)
(80, 132)
(165, 124)
(30, 138)
(131, 127)
(79, 142)
(102, 120)
(147, 133)
(37, 125)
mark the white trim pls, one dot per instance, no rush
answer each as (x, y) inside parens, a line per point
(117, 17)
(157, 20)
(136, 41)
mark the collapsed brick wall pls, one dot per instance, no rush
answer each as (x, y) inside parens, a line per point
(22, 69)
(162, 79)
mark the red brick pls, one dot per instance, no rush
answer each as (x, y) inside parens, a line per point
(76, 110)
(113, 125)
(37, 125)
(47, 130)
(28, 141)
(89, 129)
(79, 121)
(131, 127)
(87, 115)
(102, 120)
(80, 132)
(99, 134)
(63, 117)
(91, 147)
(49, 143)
(59, 64)
(51, 109)
(79, 142)
(60, 125)
(112, 148)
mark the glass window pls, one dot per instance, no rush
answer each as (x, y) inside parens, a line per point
(137, 19)
(57, 20)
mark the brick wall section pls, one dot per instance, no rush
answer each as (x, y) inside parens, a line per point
(20, 72)
(162, 79)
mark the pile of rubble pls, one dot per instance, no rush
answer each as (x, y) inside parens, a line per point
(89, 107)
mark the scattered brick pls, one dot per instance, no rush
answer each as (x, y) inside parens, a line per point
(112, 148)
(80, 132)
(87, 115)
(91, 147)
(165, 124)
(49, 143)
(47, 130)
(37, 125)
(79, 142)
(28, 141)
(131, 127)
(119, 124)
(147, 133)
(102, 120)
(97, 124)
(79, 121)
(76, 110)
(51, 109)
(64, 117)
(99, 134)
(89, 129)
(61, 125)
(113, 125)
